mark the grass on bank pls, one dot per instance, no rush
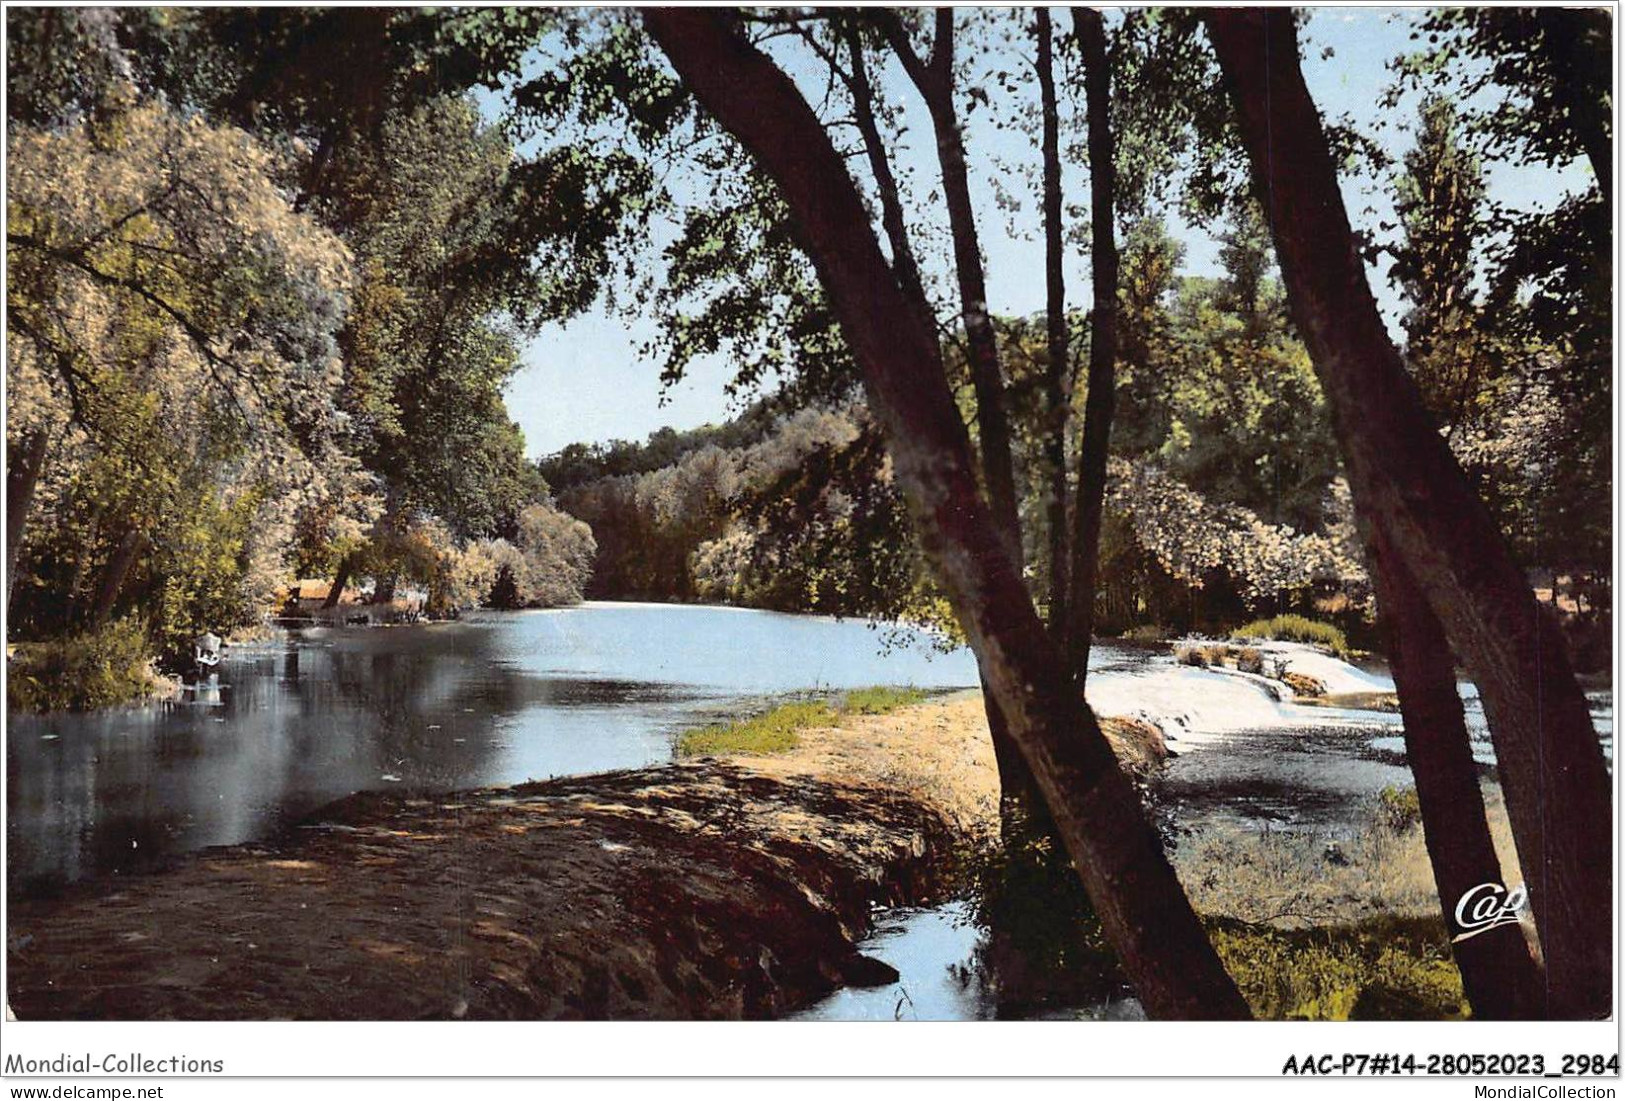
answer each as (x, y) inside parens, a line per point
(879, 700)
(1384, 967)
(1309, 928)
(1345, 929)
(1297, 628)
(778, 730)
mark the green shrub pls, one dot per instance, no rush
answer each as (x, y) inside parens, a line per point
(1045, 948)
(879, 700)
(97, 669)
(1398, 809)
(776, 731)
(1296, 628)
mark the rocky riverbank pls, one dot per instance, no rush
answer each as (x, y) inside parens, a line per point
(694, 890)
(713, 888)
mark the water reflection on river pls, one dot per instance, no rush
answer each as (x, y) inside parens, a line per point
(495, 699)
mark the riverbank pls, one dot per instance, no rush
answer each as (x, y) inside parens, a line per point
(98, 669)
(699, 890)
(702, 889)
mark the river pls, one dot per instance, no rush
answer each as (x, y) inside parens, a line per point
(500, 698)
(495, 698)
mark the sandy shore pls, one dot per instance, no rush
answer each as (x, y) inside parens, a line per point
(937, 752)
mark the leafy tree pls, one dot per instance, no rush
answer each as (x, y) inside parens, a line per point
(1148, 366)
(64, 64)
(426, 356)
(579, 463)
(171, 349)
(1533, 86)
(1247, 421)
(178, 310)
(1555, 63)
(450, 231)
(546, 565)
(1440, 203)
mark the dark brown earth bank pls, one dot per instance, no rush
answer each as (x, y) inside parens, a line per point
(702, 890)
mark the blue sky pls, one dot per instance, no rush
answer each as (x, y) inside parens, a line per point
(586, 380)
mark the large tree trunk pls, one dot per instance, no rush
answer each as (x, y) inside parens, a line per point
(1097, 408)
(1020, 802)
(1055, 333)
(1500, 977)
(22, 478)
(1118, 855)
(1408, 487)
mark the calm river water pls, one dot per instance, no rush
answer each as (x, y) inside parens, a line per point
(497, 698)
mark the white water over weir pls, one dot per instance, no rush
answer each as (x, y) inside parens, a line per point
(1193, 704)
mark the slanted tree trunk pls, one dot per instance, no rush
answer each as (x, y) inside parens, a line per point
(1408, 487)
(1500, 977)
(1118, 856)
(1055, 334)
(1098, 403)
(22, 478)
(891, 205)
(118, 568)
(340, 580)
